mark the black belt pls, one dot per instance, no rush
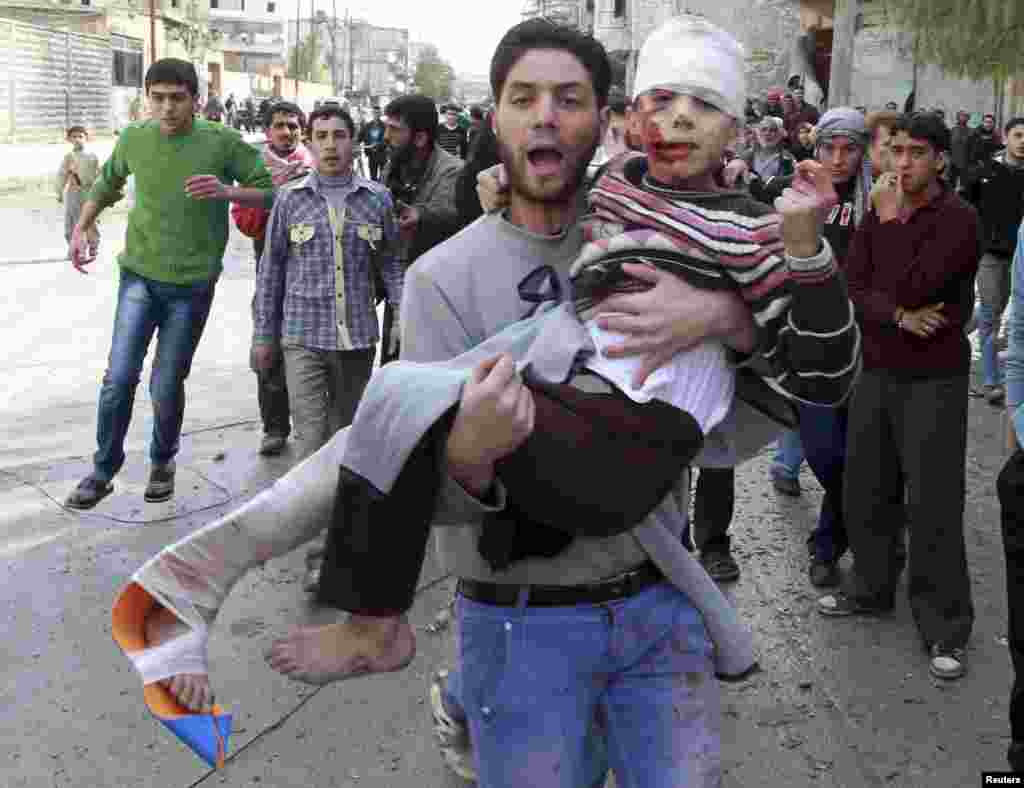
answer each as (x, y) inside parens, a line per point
(618, 587)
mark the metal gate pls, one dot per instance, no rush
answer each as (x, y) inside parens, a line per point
(52, 79)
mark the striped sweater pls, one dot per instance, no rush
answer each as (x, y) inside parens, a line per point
(809, 346)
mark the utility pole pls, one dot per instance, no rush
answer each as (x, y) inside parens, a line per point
(152, 31)
(840, 81)
(334, 46)
(298, 39)
(313, 45)
(351, 52)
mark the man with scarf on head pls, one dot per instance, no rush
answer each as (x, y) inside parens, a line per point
(840, 144)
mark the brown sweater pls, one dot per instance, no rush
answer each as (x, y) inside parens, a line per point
(931, 258)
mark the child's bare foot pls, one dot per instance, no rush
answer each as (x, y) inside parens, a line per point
(191, 690)
(360, 645)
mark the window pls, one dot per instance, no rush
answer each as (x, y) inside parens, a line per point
(271, 8)
(619, 8)
(127, 69)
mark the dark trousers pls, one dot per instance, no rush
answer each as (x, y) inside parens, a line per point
(375, 163)
(912, 435)
(271, 387)
(823, 435)
(713, 506)
(1010, 487)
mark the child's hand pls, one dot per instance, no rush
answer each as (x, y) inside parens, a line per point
(492, 188)
(804, 206)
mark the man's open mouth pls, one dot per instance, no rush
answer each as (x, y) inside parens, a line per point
(545, 160)
(675, 150)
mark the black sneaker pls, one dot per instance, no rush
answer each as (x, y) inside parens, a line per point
(452, 733)
(841, 604)
(947, 663)
(823, 574)
(272, 445)
(89, 492)
(720, 566)
(161, 483)
(1015, 756)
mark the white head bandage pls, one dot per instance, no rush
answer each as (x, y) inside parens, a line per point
(689, 55)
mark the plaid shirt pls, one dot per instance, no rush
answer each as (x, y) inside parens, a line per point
(296, 287)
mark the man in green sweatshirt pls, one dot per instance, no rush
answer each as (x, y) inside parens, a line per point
(177, 233)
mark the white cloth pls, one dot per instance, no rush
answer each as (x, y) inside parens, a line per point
(689, 55)
(700, 381)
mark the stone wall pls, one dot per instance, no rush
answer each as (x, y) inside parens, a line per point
(883, 64)
(766, 28)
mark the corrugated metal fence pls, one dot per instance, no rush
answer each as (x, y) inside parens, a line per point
(52, 79)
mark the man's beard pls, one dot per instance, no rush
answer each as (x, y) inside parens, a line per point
(401, 155)
(519, 182)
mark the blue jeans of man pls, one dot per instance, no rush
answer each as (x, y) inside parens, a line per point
(993, 295)
(789, 455)
(555, 695)
(823, 435)
(177, 315)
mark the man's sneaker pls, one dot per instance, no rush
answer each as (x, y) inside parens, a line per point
(89, 492)
(161, 483)
(272, 445)
(841, 604)
(720, 565)
(452, 733)
(823, 574)
(994, 394)
(786, 485)
(947, 663)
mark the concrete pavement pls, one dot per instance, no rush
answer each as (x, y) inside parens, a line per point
(840, 703)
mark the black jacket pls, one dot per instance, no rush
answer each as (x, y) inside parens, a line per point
(982, 146)
(997, 191)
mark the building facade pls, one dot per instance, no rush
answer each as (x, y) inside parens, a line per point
(783, 39)
(364, 62)
(252, 40)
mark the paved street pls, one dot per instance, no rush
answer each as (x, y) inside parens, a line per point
(840, 703)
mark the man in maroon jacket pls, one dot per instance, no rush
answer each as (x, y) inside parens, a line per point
(911, 270)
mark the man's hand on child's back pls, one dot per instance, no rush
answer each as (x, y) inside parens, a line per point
(495, 416)
(804, 206)
(670, 317)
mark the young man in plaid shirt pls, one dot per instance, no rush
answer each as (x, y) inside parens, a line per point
(315, 301)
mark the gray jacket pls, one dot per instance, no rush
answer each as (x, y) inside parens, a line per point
(435, 199)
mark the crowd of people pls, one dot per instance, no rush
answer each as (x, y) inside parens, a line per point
(551, 264)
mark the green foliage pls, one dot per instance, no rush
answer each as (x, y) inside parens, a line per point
(979, 39)
(434, 77)
(310, 64)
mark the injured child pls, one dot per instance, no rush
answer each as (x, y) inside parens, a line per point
(595, 436)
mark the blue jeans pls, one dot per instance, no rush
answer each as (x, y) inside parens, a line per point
(993, 295)
(789, 455)
(177, 313)
(823, 435)
(555, 695)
